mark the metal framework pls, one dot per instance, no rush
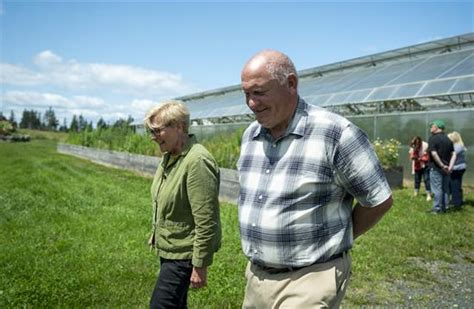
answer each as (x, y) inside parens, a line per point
(428, 76)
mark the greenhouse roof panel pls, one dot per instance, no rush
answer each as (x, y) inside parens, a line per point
(463, 85)
(442, 67)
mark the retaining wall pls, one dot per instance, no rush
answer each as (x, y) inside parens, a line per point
(146, 165)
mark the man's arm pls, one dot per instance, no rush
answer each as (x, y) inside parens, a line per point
(452, 161)
(364, 218)
(446, 168)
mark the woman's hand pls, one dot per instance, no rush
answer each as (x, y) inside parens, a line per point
(199, 277)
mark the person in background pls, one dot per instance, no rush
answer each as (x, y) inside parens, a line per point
(300, 168)
(458, 170)
(442, 158)
(419, 165)
(186, 222)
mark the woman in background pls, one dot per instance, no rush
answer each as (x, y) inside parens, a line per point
(458, 170)
(186, 223)
(419, 159)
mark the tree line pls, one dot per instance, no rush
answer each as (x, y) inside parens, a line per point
(32, 119)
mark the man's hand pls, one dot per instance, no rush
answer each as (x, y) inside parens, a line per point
(199, 277)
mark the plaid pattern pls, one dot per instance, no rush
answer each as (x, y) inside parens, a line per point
(296, 193)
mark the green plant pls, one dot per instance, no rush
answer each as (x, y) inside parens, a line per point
(387, 152)
(6, 128)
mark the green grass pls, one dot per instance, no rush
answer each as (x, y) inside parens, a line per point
(51, 135)
(73, 234)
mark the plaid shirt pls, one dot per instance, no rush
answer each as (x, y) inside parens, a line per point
(296, 192)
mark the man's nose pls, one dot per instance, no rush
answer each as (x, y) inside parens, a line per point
(252, 102)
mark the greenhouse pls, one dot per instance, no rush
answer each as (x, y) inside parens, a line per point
(394, 94)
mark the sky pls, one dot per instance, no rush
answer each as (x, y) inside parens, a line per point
(112, 59)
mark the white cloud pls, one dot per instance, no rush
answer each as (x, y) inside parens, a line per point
(92, 108)
(94, 90)
(46, 59)
(113, 78)
(18, 75)
(142, 106)
(89, 102)
(32, 100)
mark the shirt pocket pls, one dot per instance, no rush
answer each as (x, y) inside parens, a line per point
(315, 187)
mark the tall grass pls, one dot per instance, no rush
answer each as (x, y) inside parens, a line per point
(224, 147)
(73, 234)
(115, 138)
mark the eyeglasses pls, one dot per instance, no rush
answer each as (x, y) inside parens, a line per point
(156, 131)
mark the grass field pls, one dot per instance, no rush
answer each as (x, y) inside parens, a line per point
(73, 234)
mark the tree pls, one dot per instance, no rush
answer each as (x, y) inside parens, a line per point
(89, 127)
(63, 128)
(30, 120)
(101, 124)
(51, 122)
(82, 123)
(74, 127)
(12, 119)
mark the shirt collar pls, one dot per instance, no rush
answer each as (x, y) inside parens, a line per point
(189, 144)
(297, 124)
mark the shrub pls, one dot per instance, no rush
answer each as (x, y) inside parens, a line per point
(225, 147)
(387, 152)
(6, 128)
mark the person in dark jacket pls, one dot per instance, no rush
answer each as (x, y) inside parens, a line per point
(442, 158)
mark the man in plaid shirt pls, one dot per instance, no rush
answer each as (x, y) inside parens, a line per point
(300, 168)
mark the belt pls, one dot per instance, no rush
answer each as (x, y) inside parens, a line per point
(273, 270)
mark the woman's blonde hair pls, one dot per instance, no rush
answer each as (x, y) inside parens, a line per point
(455, 137)
(168, 113)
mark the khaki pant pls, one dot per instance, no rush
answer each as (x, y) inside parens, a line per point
(320, 285)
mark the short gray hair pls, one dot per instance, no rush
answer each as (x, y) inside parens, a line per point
(277, 64)
(169, 112)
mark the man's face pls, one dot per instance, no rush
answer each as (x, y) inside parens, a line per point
(433, 128)
(270, 101)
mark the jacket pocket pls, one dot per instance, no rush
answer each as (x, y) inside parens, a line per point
(175, 236)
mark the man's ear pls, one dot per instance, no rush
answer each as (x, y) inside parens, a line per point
(292, 81)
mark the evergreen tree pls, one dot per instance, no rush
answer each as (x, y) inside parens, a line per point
(51, 122)
(30, 120)
(63, 128)
(12, 119)
(89, 127)
(82, 123)
(74, 127)
(101, 124)
(119, 123)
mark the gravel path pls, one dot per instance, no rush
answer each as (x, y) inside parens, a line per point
(452, 287)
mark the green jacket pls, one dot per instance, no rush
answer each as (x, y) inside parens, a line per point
(186, 219)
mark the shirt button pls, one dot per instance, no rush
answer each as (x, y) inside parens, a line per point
(274, 145)
(255, 251)
(267, 171)
(253, 224)
(260, 197)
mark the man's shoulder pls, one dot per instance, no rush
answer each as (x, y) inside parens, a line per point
(319, 116)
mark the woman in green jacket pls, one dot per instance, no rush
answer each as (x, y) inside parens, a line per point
(186, 222)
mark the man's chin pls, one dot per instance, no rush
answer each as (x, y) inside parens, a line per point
(263, 123)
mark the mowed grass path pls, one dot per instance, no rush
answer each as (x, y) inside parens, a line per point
(73, 234)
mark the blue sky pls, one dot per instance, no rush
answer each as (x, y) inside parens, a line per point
(119, 58)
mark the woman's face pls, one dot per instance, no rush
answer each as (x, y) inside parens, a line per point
(168, 138)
